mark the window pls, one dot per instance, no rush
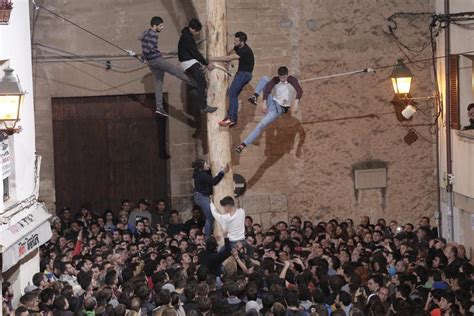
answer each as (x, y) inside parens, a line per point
(466, 87)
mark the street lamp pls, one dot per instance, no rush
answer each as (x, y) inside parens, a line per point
(401, 78)
(11, 101)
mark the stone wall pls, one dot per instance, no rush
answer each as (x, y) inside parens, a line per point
(303, 163)
(71, 79)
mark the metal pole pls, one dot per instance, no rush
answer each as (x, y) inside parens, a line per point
(449, 165)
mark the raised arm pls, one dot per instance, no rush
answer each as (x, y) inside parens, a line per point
(218, 216)
(227, 58)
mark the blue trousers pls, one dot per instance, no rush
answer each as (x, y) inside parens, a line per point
(205, 204)
(241, 78)
(274, 111)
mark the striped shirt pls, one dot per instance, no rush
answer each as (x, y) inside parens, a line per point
(149, 41)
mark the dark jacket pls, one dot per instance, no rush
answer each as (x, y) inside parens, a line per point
(204, 182)
(212, 259)
(187, 48)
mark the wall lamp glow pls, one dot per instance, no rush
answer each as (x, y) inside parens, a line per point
(402, 78)
(11, 101)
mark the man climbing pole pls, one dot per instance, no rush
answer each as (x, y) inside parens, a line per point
(203, 188)
(157, 64)
(191, 60)
(244, 54)
(277, 97)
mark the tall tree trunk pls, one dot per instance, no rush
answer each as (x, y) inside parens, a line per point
(218, 137)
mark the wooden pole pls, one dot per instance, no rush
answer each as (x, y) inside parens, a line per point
(218, 137)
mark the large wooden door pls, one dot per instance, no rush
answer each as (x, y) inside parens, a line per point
(107, 149)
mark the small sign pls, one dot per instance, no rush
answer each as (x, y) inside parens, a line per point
(240, 185)
(6, 159)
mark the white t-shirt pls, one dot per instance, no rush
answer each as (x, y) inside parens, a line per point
(234, 225)
(188, 63)
(283, 93)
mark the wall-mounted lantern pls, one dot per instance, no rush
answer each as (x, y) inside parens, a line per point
(11, 101)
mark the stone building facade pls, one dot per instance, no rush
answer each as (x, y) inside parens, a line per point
(304, 164)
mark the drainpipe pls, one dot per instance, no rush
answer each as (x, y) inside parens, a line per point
(449, 165)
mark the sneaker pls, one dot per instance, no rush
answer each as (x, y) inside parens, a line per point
(209, 109)
(161, 112)
(253, 99)
(227, 122)
(240, 148)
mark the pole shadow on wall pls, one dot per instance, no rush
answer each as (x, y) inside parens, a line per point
(280, 138)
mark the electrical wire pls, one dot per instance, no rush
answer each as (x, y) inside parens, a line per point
(90, 61)
(83, 28)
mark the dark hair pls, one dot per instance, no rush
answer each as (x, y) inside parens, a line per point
(204, 304)
(211, 244)
(227, 201)
(37, 278)
(156, 20)
(404, 290)
(470, 106)
(198, 164)
(90, 304)
(195, 24)
(283, 71)
(242, 36)
(377, 279)
(20, 310)
(291, 298)
(59, 303)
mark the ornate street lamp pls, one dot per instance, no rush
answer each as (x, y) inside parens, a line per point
(11, 101)
(401, 79)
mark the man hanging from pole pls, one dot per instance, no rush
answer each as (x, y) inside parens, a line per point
(244, 54)
(192, 60)
(277, 98)
(157, 64)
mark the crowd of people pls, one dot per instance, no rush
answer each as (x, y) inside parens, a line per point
(148, 262)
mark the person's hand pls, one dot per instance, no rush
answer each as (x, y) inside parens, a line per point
(210, 66)
(287, 263)
(239, 245)
(296, 107)
(235, 253)
(79, 236)
(226, 168)
(298, 261)
(264, 107)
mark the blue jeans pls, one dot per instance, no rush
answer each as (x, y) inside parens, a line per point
(240, 80)
(204, 203)
(274, 111)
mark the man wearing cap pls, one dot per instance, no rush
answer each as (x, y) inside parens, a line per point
(139, 213)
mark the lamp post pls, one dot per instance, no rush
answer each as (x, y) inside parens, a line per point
(11, 101)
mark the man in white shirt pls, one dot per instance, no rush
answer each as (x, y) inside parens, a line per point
(277, 98)
(232, 222)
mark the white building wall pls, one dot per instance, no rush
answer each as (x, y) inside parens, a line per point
(15, 46)
(462, 42)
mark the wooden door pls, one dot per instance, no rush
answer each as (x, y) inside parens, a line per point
(107, 149)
